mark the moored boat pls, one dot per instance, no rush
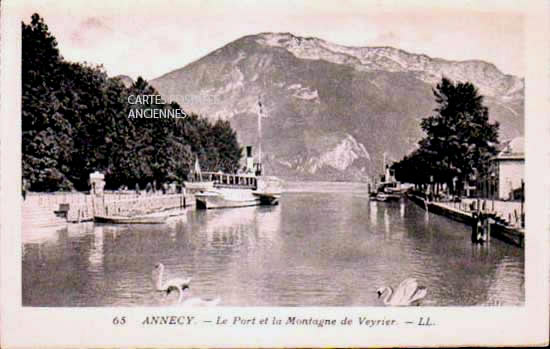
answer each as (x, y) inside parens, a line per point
(244, 189)
(198, 186)
(144, 219)
(240, 191)
(388, 189)
(381, 196)
(197, 182)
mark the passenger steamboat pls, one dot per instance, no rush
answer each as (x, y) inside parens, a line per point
(251, 188)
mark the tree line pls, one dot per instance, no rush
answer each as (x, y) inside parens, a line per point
(459, 140)
(75, 121)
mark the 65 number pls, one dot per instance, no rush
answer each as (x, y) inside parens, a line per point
(119, 320)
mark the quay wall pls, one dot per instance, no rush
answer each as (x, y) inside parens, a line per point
(509, 211)
(49, 209)
(124, 205)
(510, 232)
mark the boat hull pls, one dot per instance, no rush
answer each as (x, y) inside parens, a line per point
(130, 220)
(384, 197)
(198, 186)
(228, 198)
(270, 199)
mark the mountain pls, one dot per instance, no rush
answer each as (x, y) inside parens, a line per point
(330, 111)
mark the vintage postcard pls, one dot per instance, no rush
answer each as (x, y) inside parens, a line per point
(274, 174)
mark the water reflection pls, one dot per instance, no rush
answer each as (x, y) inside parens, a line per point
(327, 249)
(373, 212)
(387, 222)
(96, 254)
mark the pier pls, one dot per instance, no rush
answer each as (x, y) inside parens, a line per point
(505, 216)
(51, 209)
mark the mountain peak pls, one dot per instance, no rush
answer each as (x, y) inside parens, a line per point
(486, 76)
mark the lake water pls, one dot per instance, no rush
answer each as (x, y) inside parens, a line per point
(324, 245)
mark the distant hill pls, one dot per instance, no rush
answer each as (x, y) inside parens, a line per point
(331, 110)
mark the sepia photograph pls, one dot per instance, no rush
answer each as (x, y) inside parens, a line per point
(290, 155)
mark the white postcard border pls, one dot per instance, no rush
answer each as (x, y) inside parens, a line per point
(93, 327)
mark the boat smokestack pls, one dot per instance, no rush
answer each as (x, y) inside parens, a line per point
(249, 159)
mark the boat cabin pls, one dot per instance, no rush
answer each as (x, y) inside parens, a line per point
(226, 180)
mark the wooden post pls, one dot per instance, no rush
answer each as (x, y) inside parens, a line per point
(522, 224)
(93, 205)
(489, 230)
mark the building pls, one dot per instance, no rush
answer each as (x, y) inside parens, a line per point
(509, 167)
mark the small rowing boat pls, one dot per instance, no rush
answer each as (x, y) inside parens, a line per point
(387, 197)
(144, 219)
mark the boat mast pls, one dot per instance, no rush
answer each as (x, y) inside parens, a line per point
(260, 112)
(384, 168)
(197, 169)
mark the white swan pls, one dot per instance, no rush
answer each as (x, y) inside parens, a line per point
(407, 293)
(195, 301)
(160, 285)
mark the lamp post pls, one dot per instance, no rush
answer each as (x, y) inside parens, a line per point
(493, 191)
(432, 186)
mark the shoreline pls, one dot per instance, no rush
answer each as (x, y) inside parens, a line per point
(504, 232)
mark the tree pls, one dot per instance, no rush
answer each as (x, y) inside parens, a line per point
(76, 121)
(459, 139)
(46, 134)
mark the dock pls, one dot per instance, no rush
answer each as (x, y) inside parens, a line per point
(505, 225)
(56, 209)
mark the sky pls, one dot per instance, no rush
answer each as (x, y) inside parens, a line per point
(151, 38)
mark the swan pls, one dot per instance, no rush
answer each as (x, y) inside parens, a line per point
(194, 301)
(407, 293)
(160, 285)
